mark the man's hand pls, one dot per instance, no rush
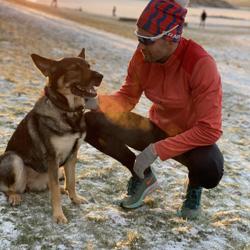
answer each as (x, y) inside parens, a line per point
(91, 103)
(144, 160)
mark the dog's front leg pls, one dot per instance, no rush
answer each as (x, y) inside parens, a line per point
(69, 170)
(58, 215)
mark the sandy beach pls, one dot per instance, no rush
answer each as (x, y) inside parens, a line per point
(102, 224)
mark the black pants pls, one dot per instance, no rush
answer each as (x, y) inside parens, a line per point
(113, 136)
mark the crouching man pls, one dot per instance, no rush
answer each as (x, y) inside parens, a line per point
(182, 81)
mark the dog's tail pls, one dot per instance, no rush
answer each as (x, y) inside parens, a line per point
(12, 173)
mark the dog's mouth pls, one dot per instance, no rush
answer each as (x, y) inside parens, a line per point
(89, 91)
(77, 89)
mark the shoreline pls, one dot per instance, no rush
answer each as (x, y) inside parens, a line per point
(121, 26)
(108, 24)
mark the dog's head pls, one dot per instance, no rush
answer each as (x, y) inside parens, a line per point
(70, 75)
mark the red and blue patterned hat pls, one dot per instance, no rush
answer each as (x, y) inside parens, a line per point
(162, 15)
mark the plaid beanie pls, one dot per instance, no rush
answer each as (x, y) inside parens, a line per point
(163, 15)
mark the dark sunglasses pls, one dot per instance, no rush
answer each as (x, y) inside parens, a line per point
(145, 41)
(149, 40)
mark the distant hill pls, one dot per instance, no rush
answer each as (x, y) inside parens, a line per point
(212, 3)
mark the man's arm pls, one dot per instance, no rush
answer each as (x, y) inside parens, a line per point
(206, 92)
(129, 94)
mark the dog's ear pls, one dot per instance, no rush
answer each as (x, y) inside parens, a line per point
(82, 54)
(46, 66)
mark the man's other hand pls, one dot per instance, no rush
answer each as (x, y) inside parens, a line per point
(91, 103)
(144, 160)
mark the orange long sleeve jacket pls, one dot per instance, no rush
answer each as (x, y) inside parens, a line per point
(186, 94)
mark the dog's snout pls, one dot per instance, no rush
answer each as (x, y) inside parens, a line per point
(99, 75)
(97, 78)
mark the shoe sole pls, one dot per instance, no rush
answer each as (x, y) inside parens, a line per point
(147, 191)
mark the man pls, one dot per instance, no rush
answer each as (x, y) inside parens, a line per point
(182, 81)
(203, 18)
(54, 3)
(114, 11)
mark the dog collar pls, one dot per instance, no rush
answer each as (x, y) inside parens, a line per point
(60, 101)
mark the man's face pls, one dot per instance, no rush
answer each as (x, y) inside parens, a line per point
(159, 51)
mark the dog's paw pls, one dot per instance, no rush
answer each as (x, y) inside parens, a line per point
(60, 218)
(14, 199)
(77, 199)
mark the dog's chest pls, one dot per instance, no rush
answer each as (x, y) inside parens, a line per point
(64, 145)
(76, 121)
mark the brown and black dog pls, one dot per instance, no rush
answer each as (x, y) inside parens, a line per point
(50, 134)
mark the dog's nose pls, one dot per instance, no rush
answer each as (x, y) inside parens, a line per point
(98, 78)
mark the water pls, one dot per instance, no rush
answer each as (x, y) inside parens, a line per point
(133, 8)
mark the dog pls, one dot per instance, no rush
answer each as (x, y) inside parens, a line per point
(50, 135)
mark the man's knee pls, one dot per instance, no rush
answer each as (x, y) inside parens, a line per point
(212, 173)
(94, 119)
(95, 127)
(208, 166)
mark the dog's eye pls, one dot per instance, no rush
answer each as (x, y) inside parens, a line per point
(85, 65)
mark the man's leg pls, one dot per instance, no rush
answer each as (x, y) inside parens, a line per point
(205, 165)
(112, 136)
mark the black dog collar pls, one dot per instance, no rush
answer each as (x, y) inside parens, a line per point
(60, 101)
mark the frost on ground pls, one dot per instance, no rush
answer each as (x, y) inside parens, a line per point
(102, 224)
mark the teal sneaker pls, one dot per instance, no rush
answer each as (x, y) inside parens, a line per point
(132, 183)
(191, 208)
(138, 189)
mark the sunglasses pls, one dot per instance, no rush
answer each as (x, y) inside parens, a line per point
(149, 40)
